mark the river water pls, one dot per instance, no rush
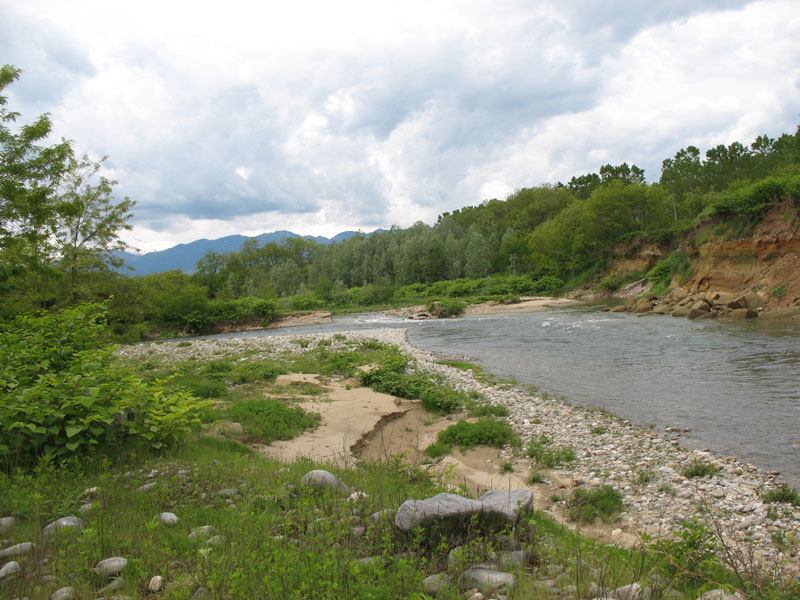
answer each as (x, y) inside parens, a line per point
(734, 384)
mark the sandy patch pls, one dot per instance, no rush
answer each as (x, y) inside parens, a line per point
(525, 305)
(319, 317)
(347, 416)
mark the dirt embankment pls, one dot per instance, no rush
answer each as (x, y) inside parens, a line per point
(765, 267)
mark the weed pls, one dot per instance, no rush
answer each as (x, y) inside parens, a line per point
(303, 343)
(598, 430)
(271, 420)
(438, 449)
(506, 467)
(549, 457)
(783, 494)
(778, 291)
(486, 432)
(698, 468)
(643, 477)
(536, 477)
(585, 506)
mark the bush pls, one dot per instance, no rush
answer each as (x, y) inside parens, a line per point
(486, 432)
(65, 396)
(447, 307)
(698, 468)
(272, 419)
(585, 506)
(548, 285)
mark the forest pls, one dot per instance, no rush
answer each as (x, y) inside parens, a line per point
(60, 221)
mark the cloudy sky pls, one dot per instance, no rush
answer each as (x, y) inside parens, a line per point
(318, 117)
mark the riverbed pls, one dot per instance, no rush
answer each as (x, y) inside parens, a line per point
(734, 385)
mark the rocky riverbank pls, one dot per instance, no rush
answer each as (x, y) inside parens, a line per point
(645, 466)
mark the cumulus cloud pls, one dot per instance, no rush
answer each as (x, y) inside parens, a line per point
(320, 117)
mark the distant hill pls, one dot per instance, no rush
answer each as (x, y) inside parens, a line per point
(185, 256)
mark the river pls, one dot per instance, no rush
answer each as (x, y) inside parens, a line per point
(734, 384)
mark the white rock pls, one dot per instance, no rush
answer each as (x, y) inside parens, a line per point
(156, 584)
(111, 566)
(62, 523)
(9, 569)
(168, 518)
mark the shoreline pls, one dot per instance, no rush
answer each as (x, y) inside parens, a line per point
(643, 466)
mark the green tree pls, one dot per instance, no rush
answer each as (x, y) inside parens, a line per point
(88, 223)
(58, 219)
(30, 175)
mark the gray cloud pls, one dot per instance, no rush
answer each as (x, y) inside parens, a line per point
(370, 128)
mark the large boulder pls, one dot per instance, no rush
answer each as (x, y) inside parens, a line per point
(496, 507)
(643, 305)
(70, 522)
(680, 311)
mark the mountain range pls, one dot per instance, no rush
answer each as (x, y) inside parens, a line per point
(185, 256)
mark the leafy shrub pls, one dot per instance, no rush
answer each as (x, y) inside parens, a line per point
(272, 419)
(698, 468)
(784, 494)
(548, 285)
(65, 396)
(690, 556)
(585, 506)
(486, 432)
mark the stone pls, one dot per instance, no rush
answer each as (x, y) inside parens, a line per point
(502, 506)
(487, 581)
(113, 586)
(680, 311)
(89, 492)
(63, 522)
(201, 532)
(64, 593)
(619, 308)
(168, 518)
(680, 293)
(200, 594)
(111, 566)
(227, 493)
(156, 584)
(9, 569)
(514, 560)
(6, 523)
(17, 550)
(628, 592)
(321, 480)
(743, 313)
(436, 584)
(721, 595)
(216, 539)
(146, 486)
(642, 305)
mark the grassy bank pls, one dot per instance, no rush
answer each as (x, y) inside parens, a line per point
(247, 528)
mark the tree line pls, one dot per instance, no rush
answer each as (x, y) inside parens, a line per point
(60, 225)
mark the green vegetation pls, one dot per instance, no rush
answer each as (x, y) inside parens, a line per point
(536, 477)
(548, 457)
(661, 275)
(784, 494)
(485, 432)
(586, 505)
(698, 468)
(268, 420)
(64, 397)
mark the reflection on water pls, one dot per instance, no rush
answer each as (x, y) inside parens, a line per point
(735, 384)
